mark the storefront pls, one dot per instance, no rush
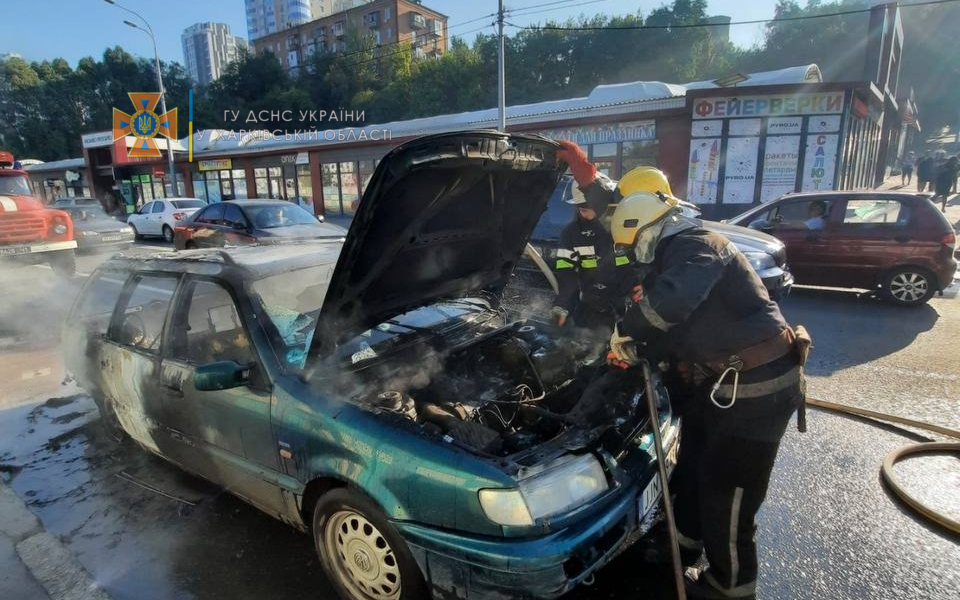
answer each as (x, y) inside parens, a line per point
(614, 147)
(215, 180)
(60, 179)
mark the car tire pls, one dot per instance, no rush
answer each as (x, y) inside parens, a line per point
(167, 234)
(64, 263)
(362, 554)
(136, 234)
(908, 286)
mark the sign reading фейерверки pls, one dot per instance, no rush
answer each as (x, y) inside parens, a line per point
(768, 106)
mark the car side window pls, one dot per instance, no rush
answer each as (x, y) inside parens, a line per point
(146, 209)
(158, 207)
(874, 213)
(99, 299)
(211, 329)
(213, 215)
(141, 319)
(232, 215)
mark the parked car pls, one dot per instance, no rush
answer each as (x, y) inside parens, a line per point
(95, 230)
(78, 201)
(766, 254)
(239, 222)
(897, 243)
(370, 391)
(161, 217)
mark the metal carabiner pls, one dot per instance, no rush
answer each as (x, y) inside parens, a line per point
(716, 387)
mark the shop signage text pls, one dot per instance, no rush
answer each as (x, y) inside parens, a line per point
(97, 140)
(762, 106)
(216, 164)
(621, 132)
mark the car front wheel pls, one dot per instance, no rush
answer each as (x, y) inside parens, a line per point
(907, 286)
(363, 555)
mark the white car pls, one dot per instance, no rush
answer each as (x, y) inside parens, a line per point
(160, 217)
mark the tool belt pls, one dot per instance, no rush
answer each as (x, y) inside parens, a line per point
(754, 356)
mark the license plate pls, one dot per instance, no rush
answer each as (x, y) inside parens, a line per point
(14, 251)
(111, 238)
(651, 494)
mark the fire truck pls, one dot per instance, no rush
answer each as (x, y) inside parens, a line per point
(29, 231)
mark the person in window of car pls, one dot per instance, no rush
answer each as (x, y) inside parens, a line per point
(816, 213)
(701, 307)
(589, 271)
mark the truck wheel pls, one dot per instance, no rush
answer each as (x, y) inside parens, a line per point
(362, 554)
(64, 263)
(167, 234)
(907, 286)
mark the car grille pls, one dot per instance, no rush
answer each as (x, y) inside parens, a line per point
(17, 228)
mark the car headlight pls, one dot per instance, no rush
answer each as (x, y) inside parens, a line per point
(86, 233)
(59, 229)
(760, 261)
(568, 482)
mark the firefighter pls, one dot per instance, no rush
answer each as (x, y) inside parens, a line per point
(702, 307)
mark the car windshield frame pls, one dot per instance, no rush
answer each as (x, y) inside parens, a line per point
(76, 212)
(23, 189)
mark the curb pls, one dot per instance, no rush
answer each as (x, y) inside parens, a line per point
(50, 563)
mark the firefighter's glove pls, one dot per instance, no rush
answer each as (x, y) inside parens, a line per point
(559, 315)
(583, 170)
(623, 350)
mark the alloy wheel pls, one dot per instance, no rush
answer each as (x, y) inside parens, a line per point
(909, 286)
(363, 561)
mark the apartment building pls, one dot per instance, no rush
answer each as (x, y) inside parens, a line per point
(388, 22)
(207, 49)
(270, 16)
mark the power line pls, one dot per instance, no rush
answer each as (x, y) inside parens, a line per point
(525, 11)
(750, 22)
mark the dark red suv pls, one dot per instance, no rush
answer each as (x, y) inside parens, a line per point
(894, 242)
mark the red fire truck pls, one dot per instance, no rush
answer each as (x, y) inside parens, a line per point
(29, 231)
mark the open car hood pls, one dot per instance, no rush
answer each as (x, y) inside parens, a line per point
(443, 216)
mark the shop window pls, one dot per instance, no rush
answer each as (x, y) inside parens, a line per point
(239, 183)
(262, 183)
(331, 190)
(349, 187)
(637, 154)
(213, 187)
(306, 188)
(605, 157)
(226, 186)
(366, 172)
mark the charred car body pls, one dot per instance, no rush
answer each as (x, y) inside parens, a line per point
(371, 390)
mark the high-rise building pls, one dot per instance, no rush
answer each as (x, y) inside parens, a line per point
(207, 49)
(270, 16)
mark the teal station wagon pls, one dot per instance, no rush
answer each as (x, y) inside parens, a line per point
(371, 391)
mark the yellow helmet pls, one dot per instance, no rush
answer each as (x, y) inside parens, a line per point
(638, 211)
(644, 179)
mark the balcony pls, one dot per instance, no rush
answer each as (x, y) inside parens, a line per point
(435, 27)
(339, 29)
(293, 41)
(372, 19)
(320, 34)
(417, 21)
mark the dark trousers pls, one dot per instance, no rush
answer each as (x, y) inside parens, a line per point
(726, 459)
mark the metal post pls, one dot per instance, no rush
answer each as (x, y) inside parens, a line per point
(171, 171)
(501, 75)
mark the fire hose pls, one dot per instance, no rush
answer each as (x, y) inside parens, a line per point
(886, 470)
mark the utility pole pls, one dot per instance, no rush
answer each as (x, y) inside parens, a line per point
(501, 76)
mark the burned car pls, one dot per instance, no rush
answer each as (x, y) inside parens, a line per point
(372, 392)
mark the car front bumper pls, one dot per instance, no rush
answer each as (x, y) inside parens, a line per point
(36, 248)
(463, 566)
(777, 281)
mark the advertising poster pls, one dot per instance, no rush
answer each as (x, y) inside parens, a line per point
(820, 162)
(824, 124)
(704, 171)
(745, 126)
(712, 128)
(784, 125)
(740, 178)
(781, 158)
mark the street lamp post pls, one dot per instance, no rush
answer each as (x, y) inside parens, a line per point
(163, 92)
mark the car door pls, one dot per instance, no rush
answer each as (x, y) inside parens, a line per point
(873, 235)
(130, 359)
(157, 216)
(236, 228)
(807, 249)
(207, 228)
(140, 219)
(228, 431)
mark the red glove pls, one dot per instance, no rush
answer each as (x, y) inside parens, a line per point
(583, 170)
(637, 293)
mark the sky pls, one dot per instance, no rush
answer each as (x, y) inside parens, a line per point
(72, 29)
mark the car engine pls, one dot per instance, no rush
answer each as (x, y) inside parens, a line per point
(508, 389)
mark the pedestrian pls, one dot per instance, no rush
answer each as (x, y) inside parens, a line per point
(945, 180)
(590, 275)
(906, 169)
(924, 171)
(738, 367)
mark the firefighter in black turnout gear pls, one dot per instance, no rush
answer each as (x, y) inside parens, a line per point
(588, 270)
(736, 377)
